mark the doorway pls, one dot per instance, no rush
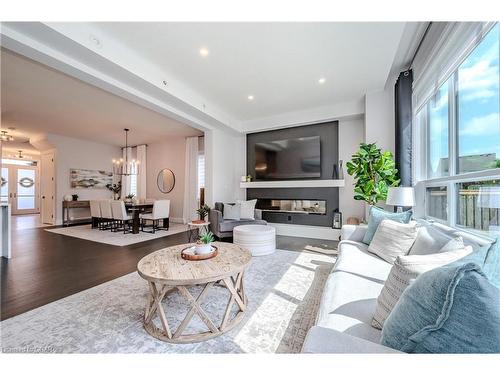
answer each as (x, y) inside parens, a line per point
(19, 185)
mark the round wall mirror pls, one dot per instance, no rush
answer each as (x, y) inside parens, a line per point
(165, 180)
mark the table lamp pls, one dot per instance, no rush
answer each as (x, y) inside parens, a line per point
(400, 197)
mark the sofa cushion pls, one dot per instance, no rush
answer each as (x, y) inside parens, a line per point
(326, 340)
(429, 240)
(351, 291)
(376, 217)
(393, 239)
(446, 310)
(228, 225)
(404, 272)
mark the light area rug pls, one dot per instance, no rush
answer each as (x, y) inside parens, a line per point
(284, 291)
(86, 232)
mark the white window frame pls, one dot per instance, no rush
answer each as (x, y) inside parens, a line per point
(421, 147)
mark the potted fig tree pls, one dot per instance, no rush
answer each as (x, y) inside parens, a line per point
(374, 172)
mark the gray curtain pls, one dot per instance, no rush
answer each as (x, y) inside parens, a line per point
(403, 106)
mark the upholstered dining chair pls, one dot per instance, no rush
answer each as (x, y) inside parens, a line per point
(120, 216)
(95, 213)
(106, 214)
(161, 211)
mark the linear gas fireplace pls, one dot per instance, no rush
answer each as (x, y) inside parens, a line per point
(296, 206)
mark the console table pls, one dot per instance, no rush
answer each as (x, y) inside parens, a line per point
(68, 205)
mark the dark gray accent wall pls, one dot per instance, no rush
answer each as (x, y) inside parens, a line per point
(328, 133)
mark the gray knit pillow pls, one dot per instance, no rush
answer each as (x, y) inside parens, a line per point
(406, 269)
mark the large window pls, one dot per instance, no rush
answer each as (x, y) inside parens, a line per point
(460, 129)
(201, 173)
(478, 107)
(438, 133)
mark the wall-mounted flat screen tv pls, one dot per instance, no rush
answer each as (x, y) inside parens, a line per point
(288, 159)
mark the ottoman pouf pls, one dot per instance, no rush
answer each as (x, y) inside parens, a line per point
(259, 239)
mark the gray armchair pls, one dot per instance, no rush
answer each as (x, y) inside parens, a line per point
(224, 228)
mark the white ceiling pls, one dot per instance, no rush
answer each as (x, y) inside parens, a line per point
(278, 63)
(38, 100)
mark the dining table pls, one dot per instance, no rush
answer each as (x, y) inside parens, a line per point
(136, 209)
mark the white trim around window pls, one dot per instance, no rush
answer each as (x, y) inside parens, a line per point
(421, 144)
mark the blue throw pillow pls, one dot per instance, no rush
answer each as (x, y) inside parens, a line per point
(488, 258)
(446, 310)
(376, 217)
(491, 266)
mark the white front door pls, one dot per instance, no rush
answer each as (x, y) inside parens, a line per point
(22, 190)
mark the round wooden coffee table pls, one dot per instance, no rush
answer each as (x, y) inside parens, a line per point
(167, 272)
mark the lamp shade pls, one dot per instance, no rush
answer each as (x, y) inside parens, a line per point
(401, 196)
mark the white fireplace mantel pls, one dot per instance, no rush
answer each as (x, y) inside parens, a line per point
(292, 184)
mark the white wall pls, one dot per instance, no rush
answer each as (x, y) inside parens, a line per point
(351, 134)
(77, 153)
(379, 118)
(225, 158)
(169, 154)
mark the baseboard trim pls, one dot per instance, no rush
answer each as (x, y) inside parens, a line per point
(306, 231)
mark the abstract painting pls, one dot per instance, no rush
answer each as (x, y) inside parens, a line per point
(89, 179)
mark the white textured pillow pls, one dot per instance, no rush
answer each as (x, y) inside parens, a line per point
(248, 209)
(393, 239)
(232, 211)
(404, 272)
(429, 241)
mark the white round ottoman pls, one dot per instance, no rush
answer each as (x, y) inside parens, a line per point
(259, 239)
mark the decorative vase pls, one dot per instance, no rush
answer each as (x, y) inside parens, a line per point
(341, 170)
(68, 197)
(335, 172)
(74, 197)
(127, 200)
(203, 248)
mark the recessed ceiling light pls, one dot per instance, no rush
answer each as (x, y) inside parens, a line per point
(204, 52)
(321, 80)
(250, 97)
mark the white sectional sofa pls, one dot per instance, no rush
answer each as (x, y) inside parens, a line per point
(343, 324)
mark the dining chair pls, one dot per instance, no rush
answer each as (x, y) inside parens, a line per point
(161, 211)
(95, 213)
(106, 214)
(120, 216)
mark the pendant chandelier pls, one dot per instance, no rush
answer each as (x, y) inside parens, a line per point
(125, 167)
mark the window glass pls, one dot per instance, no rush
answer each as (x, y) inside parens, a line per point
(438, 133)
(478, 107)
(133, 184)
(436, 202)
(479, 206)
(201, 173)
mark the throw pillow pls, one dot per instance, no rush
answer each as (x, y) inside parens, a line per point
(393, 239)
(446, 310)
(248, 209)
(429, 241)
(376, 217)
(232, 211)
(404, 272)
(488, 258)
(492, 263)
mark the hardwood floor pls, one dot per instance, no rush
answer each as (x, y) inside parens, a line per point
(46, 266)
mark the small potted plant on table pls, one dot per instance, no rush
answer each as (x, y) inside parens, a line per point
(202, 213)
(204, 243)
